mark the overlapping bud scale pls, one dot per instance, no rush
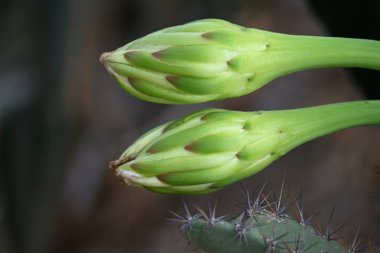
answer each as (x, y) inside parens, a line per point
(210, 149)
(213, 59)
(200, 153)
(200, 61)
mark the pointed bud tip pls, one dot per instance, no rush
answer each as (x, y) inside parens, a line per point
(114, 165)
(163, 177)
(151, 150)
(157, 54)
(190, 147)
(130, 55)
(206, 35)
(171, 79)
(104, 57)
(132, 81)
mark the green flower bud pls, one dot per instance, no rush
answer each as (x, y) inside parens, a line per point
(210, 149)
(213, 59)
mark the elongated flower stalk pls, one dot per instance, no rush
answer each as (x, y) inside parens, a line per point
(213, 59)
(212, 148)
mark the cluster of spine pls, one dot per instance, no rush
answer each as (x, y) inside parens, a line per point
(263, 226)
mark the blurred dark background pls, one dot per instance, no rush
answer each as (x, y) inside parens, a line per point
(63, 118)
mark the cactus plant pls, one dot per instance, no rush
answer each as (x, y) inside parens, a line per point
(200, 153)
(262, 226)
(214, 59)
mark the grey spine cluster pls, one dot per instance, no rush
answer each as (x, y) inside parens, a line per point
(263, 226)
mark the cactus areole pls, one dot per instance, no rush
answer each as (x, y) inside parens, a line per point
(209, 149)
(214, 59)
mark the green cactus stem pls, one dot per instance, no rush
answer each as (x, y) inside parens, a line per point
(210, 149)
(213, 59)
(262, 226)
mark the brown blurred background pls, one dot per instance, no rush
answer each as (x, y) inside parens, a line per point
(63, 118)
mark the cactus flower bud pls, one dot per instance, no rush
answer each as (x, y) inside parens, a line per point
(213, 59)
(209, 149)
